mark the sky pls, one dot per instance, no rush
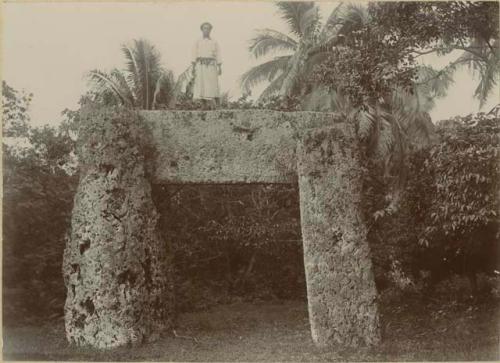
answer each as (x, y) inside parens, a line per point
(48, 47)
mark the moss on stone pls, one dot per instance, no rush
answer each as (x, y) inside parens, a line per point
(228, 146)
(340, 283)
(115, 265)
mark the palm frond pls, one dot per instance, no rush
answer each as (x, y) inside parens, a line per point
(489, 73)
(385, 139)
(103, 82)
(488, 81)
(351, 18)
(183, 80)
(273, 88)
(375, 127)
(292, 72)
(343, 20)
(268, 40)
(264, 71)
(366, 123)
(409, 105)
(292, 12)
(421, 131)
(309, 22)
(148, 71)
(343, 106)
(121, 80)
(131, 67)
(485, 65)
(164, 93)
(410, 111)
(319, 99)
(333, 21)
(433, 83)
(395, 164)
(312, 60)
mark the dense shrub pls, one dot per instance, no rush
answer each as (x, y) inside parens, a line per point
(37, 203)
(233, 242)
(448, 219)
(455, 198)
(39, 180)
(391, 238)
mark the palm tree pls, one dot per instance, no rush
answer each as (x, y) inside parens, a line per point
(144, 84)
(308, 44)
(284, 70)
(389, 126)
(405, 112)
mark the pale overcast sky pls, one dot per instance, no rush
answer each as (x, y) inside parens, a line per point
(47, 47)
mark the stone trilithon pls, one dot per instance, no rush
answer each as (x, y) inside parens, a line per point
(117, 268)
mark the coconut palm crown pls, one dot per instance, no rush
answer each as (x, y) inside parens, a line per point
(143, 84)
(307, 44)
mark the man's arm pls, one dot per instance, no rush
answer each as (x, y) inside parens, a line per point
(218, 57)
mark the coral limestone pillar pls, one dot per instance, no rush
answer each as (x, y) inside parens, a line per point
(340, 283)
(115, 264)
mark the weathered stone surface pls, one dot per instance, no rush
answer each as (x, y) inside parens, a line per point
(115, 265)
(229, 146)
(340, 283)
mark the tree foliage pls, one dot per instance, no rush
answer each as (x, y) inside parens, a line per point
(448, 220)
(15, 116)
(383, 53)
(288, 73)
(384, 88)
(466, 172)
(39, 183)
(443, 27)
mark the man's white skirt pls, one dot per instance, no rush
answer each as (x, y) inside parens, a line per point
(206, 81)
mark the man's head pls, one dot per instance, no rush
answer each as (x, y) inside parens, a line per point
(206, 28)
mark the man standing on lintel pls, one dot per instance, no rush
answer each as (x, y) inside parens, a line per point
(207, 67)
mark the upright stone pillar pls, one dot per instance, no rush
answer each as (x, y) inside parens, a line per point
(115, 264)
(340, 283)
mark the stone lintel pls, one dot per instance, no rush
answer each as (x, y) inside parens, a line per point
(229, 146)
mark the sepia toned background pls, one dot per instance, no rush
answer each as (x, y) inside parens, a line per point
(236, 252)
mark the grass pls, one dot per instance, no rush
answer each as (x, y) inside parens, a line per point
(279, 331)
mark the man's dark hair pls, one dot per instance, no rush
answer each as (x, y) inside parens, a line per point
(206, 23)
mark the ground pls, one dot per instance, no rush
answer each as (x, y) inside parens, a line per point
(279, 331)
